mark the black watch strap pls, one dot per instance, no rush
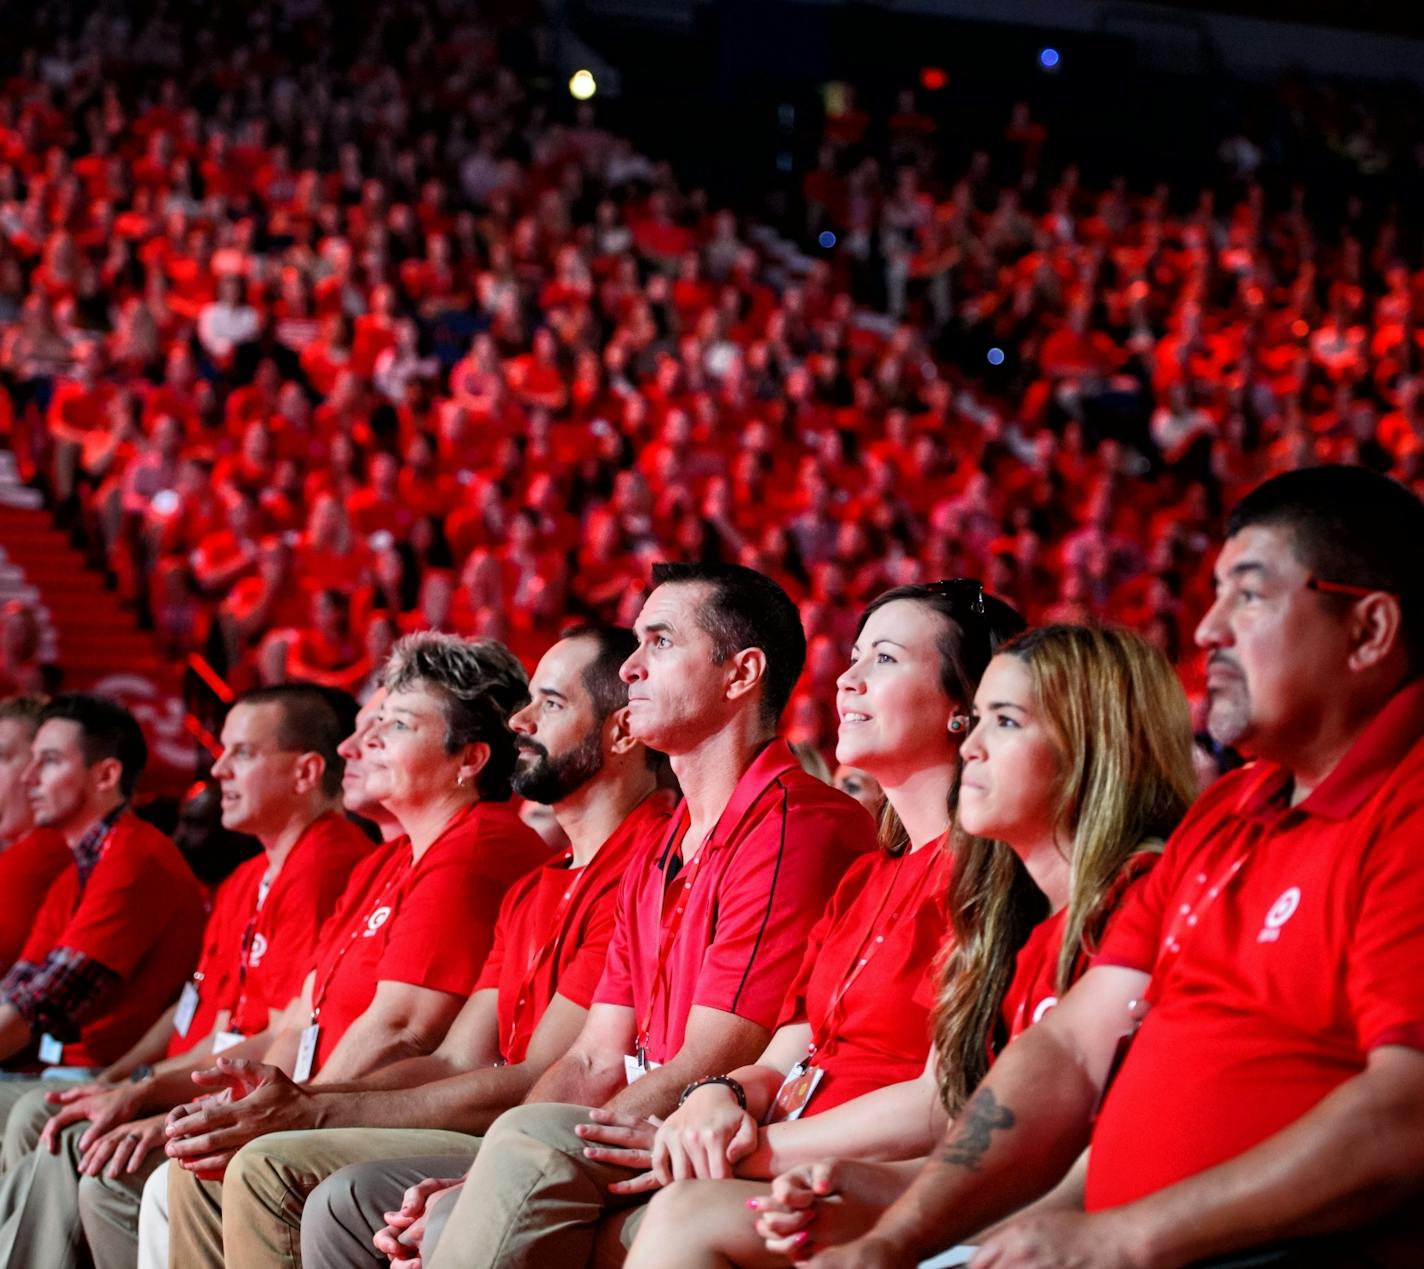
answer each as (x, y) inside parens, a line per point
(737, 1090)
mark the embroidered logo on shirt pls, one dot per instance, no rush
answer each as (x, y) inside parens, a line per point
(259, 950)
(374, 922)
(1281, 912)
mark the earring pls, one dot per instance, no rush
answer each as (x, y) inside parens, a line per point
(958, 723)
(459, 782)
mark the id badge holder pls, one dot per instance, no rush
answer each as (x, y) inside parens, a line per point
(187, 1009)
(225, 1040)
(795, 1092)
(636, 1065)
(306, 1053)
(51, 1050)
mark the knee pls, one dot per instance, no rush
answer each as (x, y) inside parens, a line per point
(552, 1123)
(675, 1206)
(27, 1119)
(256, 1171)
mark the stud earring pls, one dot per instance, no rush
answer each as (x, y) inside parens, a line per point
(958, 723)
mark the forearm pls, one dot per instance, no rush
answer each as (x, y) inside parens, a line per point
(902, 1121)
(657, 1092)
(1013, 1141)
(760, 1083)
(146, 1051)
(369, 1045)
(581, 1078)
(411, 1072)
(470, 1102)
(15, 1032)
(1352, 1159)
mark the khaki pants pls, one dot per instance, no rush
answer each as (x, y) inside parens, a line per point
(253, 1219)
(12, 1092)
(48, 1212)
(532, 1199)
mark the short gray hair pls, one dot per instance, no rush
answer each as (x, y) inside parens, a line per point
(480, 683)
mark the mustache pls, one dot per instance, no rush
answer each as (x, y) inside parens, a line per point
(1222, 660)
(523, 745)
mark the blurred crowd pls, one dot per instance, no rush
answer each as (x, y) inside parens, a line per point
(326, 327)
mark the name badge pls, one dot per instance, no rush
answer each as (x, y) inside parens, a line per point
(306, 1053)
(225, 1040)
(51, 1050)
(636, 1066)
(187, 1008)
(795, 1092)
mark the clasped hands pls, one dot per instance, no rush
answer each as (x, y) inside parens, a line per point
(706, 1137)
(247, 1100)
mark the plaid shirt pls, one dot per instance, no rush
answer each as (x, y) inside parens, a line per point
(56, 995)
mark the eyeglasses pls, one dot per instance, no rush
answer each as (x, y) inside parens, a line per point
(1343, 588)
(966, 590)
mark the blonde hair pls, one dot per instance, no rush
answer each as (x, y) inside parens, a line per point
(1120, 722)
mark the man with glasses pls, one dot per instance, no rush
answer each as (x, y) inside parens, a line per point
(1246, 1056)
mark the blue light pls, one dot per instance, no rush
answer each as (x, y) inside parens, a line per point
(1048, 58)
(996, 356)
(827, 239)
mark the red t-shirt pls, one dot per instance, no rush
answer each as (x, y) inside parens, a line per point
(428, 922)
(27, 870)
(1310, 956)
(254, 971)
(554, 927)
(1033, 990)
(888, 918)
(141, 915)
(737, 916)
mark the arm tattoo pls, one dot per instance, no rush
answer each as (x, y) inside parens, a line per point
(971, 1137)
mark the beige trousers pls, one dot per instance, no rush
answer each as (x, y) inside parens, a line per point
(51, 1216)
(253, 1218)
(533, 1200)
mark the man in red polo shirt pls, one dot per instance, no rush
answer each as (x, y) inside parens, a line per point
(1253, 1024)
(280, 775)
(31, 856)
(713, 923)
(121, 928)
(527, 1008)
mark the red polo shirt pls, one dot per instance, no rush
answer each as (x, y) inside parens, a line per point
(141, 915)
(1310, 956)
(861, 984)
(735, 918)
(254, 960)
(554, 927)
(27, 870)
(428, 922)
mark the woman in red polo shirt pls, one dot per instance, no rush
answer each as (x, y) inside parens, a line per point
(1078, 766)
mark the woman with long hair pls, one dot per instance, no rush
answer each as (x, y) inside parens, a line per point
(1078, 766)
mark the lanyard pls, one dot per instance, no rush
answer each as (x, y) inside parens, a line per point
(578, 884)
(319, 994)
(1186, 919)
(875, 934)
(671, 926)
